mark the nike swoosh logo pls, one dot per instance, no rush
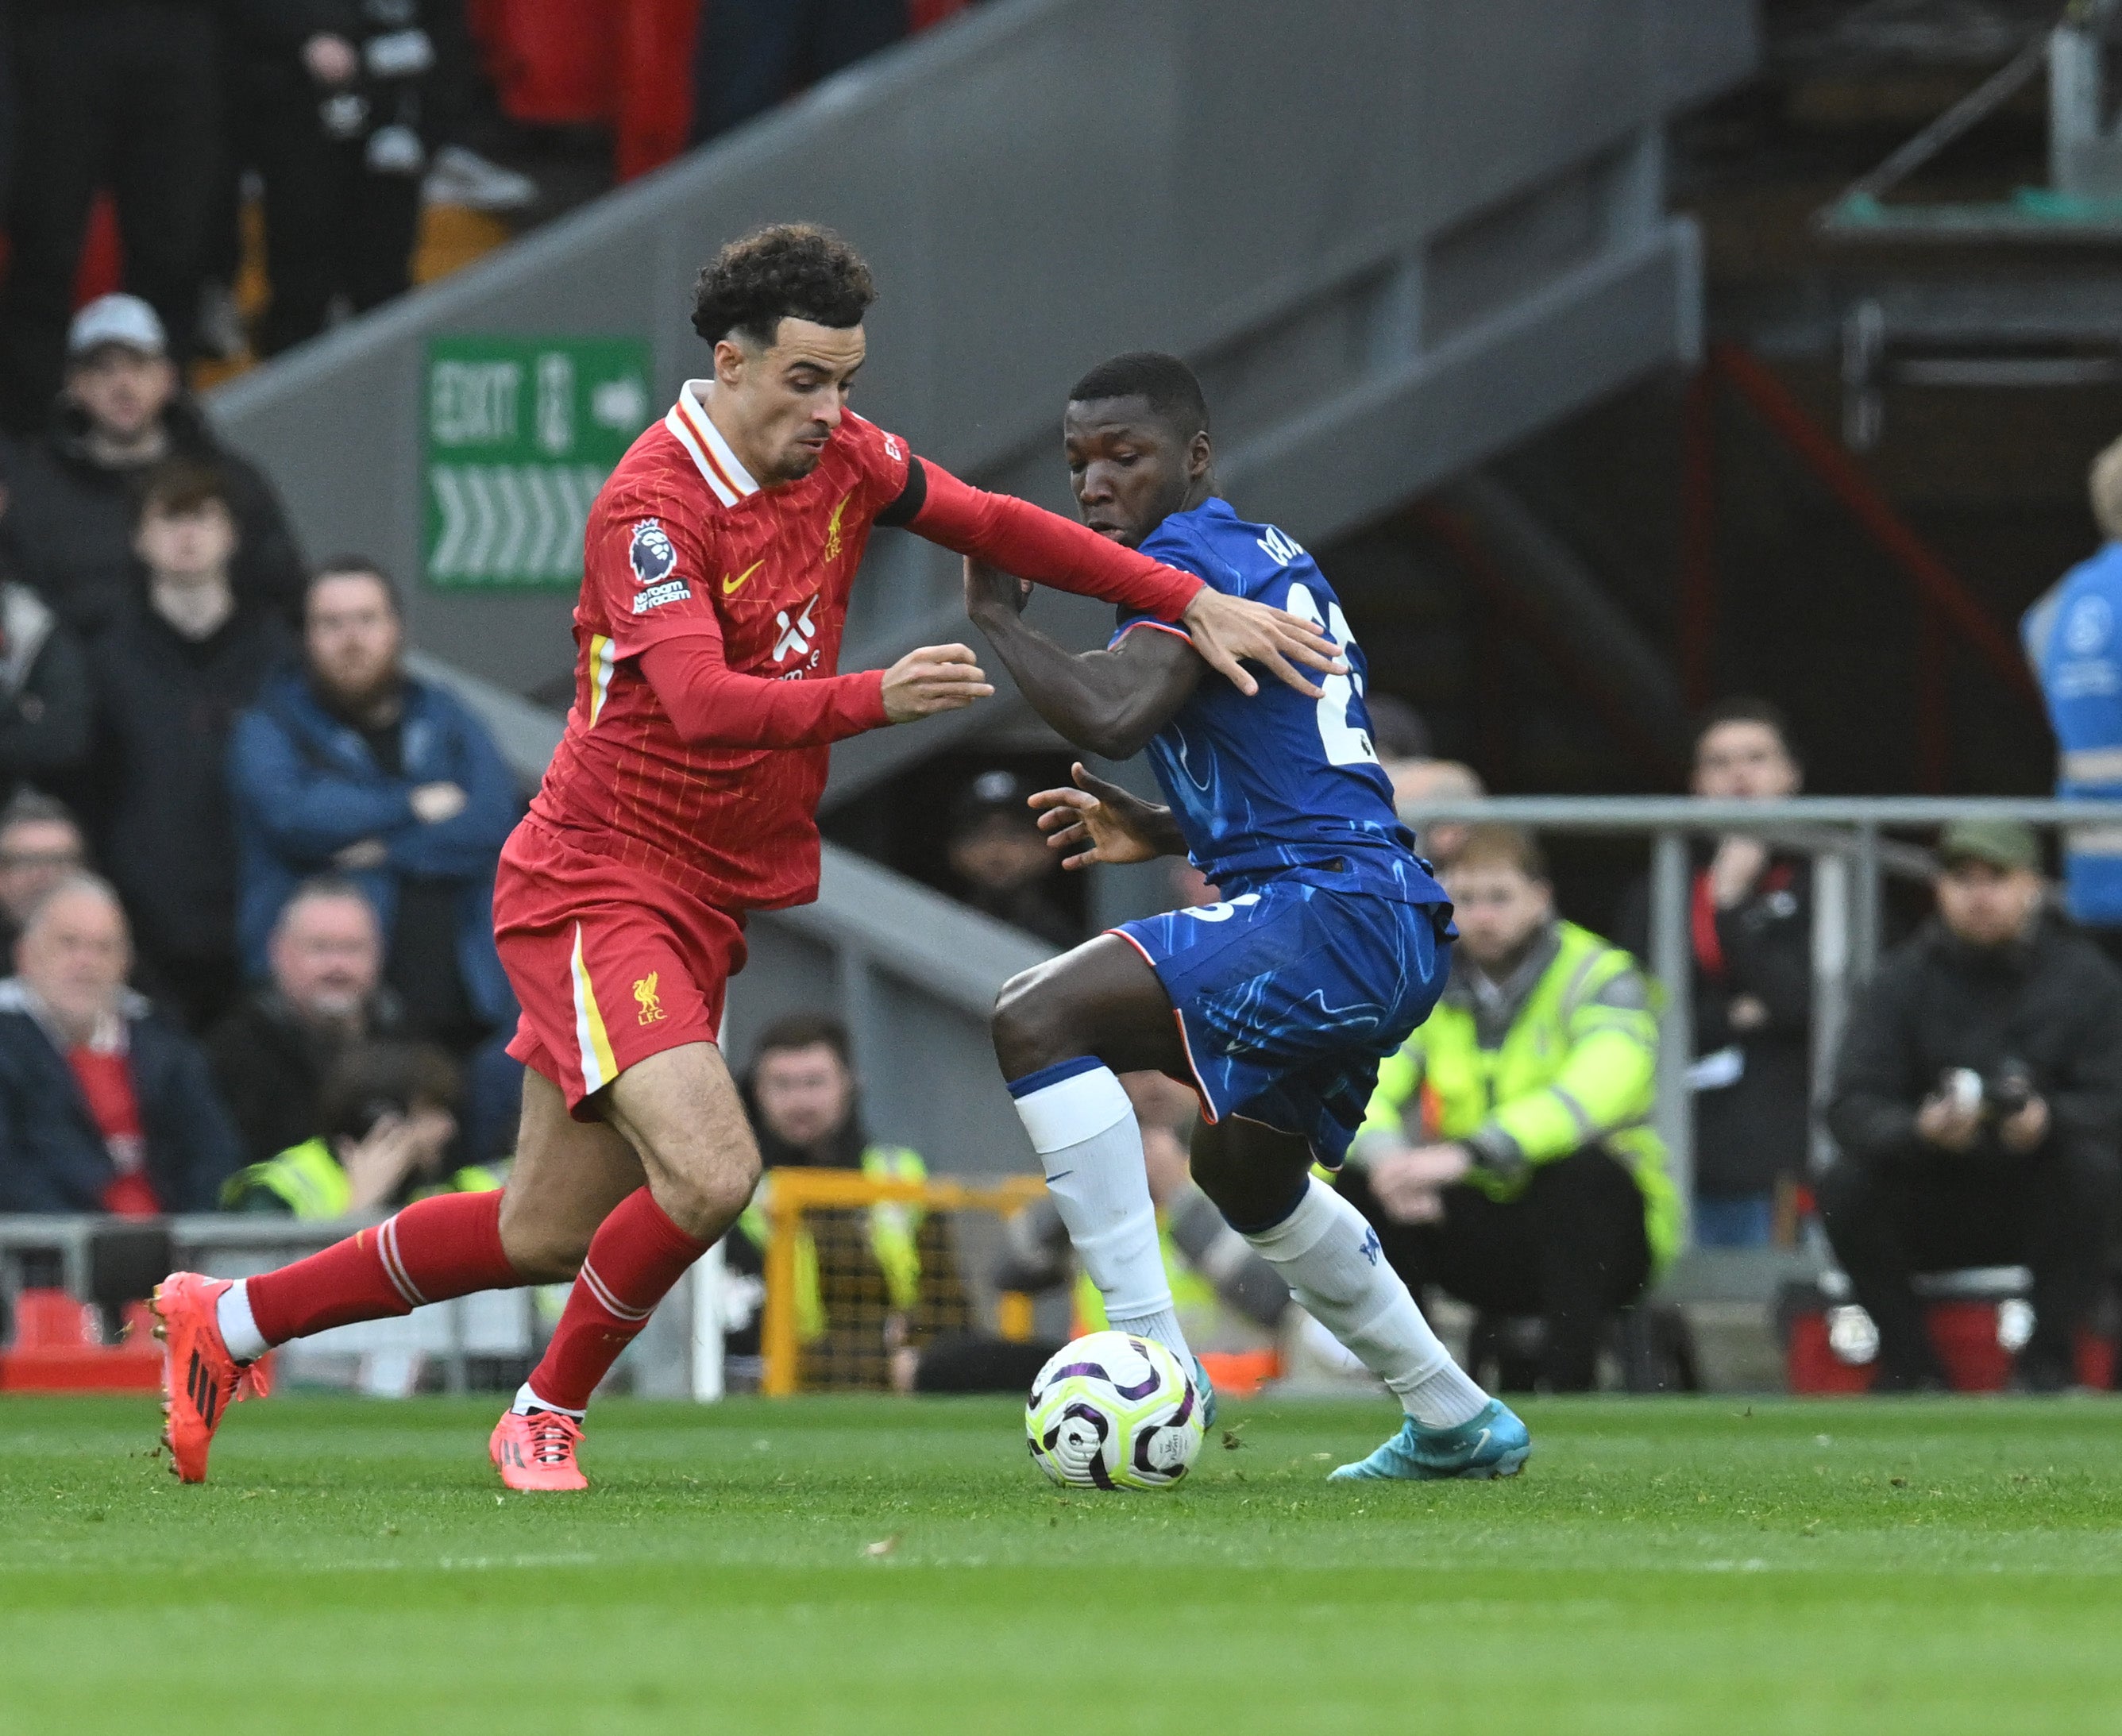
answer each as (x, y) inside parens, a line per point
(1480, 1444)
(732, 586)
(1063, 1177)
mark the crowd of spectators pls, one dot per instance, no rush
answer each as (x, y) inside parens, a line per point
(340, 116)
(246, 860)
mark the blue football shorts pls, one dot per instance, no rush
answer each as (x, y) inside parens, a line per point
(1287, 998)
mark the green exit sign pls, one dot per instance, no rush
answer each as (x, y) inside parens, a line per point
(520, 434)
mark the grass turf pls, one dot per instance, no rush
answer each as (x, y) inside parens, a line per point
(879, 1567)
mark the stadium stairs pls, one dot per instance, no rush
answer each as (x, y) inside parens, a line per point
(1393, 240)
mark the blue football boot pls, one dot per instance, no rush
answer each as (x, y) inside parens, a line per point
(1494, 1444)
(1206, 1388)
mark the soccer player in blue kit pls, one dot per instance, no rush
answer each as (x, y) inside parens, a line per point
(1331, 944)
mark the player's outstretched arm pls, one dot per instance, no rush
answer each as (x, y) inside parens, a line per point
(1100, 822)
(1109, 703)
(934, 679)
(1050, 549)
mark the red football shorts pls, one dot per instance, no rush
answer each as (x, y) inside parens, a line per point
(609, 965)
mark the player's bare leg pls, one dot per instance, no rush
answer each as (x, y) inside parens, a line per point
(679, 1113)
(1062, 1032)
(1330, 1256)
(567, 1177)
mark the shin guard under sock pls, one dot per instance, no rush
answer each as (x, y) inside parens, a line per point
(636, 1256)
(1083, 1125)
(434, 1249)
(1330, 1257)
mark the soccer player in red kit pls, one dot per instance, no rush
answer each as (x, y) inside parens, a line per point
(717, 568)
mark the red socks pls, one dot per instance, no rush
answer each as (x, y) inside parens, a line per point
(636, 1256)
(448, 1246)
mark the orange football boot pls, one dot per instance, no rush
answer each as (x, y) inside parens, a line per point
(537, 1451)
(200, 1379)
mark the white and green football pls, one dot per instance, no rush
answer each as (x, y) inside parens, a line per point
(1114, 1411)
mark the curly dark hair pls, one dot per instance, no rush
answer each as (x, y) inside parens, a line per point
(786, 271)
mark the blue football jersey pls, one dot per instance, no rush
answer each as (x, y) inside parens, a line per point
(1277, 784)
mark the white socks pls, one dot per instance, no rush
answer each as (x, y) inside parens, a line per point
(1330, 1257)
(527, 1402)
(1083, 1128)
(239, 1331)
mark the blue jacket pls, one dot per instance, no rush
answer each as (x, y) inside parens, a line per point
(53, 1158)
(2074, 637)
(305, 785)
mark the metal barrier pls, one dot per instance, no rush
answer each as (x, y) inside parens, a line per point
(1846, 838)
(453, 1333)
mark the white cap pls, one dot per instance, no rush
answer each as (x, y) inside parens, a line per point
(117, 318)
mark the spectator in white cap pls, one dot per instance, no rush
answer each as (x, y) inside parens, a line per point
(74, 502)
(111, 94)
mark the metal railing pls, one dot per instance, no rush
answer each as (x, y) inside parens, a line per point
(1848, 840)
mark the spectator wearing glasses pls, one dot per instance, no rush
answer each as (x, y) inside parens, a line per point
(1977, 1110)
(1750, 928)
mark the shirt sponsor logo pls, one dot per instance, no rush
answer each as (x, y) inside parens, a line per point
(650, 554)
(892, 450)
(796, 635)
(655, 595)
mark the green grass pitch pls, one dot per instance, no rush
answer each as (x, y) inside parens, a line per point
(880, 1566)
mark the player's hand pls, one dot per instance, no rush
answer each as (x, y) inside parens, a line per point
(1100, 822)
(432, 804)
(934, 679)
(989, 591)
(1230, 630)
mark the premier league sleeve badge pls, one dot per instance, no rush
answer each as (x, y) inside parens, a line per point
(653, 557)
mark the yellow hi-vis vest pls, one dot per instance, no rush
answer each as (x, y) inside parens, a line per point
(310, 1180)
(1571, 1070)
(894, 1230)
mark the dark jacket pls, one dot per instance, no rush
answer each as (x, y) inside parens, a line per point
(268, 37)
(1753, 1089)
(2052, 1004)
(45, 714)
(53, 1158)
(160, 808)
(270, 1068)
(307, 785)
(70, 523)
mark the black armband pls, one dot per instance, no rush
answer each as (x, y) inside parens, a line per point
(914, 496)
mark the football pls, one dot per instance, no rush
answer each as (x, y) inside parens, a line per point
(1113, 1412)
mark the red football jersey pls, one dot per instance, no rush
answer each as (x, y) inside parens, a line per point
(682, 541)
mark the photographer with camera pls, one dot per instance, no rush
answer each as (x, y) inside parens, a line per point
(1977, 1108)
(338, 90)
